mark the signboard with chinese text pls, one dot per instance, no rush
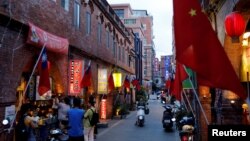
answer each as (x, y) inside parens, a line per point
(102, 81)
(103, 110)
(75, 76)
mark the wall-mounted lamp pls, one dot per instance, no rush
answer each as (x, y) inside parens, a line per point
(117, 79)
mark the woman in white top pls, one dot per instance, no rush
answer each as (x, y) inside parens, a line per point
(63, 107)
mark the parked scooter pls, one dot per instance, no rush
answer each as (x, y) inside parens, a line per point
(58, 135)
(167, 118)
(186, 128)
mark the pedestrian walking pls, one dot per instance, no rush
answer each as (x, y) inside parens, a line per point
(75, 117)
(88, 128)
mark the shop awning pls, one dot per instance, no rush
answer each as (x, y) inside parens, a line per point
(39, 37)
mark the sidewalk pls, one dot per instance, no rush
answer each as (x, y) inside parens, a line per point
(107, 124)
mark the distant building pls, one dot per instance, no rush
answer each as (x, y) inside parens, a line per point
(142, 25)
(166, 68)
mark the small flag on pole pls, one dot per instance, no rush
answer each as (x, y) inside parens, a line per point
(86, 80)
(180, 75)
(111, 84)
(126, 82)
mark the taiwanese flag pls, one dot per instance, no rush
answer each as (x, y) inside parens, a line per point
(135, 82)
(198, 48)
(44, 83)
(86, 80)
(111, 84)
(126, 82)
(180, 75)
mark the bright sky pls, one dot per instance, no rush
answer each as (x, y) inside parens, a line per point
(162, 12)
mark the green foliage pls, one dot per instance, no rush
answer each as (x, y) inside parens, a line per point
(141, 94)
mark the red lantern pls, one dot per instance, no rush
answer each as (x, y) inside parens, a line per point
(234, 25)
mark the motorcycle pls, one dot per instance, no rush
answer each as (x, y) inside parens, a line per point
(168, 119)
(58, 135)
(186, 128)
(140, 116)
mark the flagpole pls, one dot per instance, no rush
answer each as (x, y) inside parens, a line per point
(189, 103)
(196, 95)
(23, 97)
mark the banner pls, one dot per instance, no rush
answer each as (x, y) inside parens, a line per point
(39, 37)
(102, 81)
(75, 68)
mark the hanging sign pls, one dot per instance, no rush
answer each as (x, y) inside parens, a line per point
(39, 37)
(102, 81)
(75, 72)
(103, 109)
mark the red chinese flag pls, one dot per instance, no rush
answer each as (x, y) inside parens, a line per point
(44, 83)
(126, 82)
(180, 75)
(111, 84)
(198, 48)
(168, 84)
(86, 80)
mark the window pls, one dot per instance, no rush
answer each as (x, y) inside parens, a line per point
(119, 53)
(119, 13)
(88, 25)
(77, 14)
(114, 48)
(123, 54)
(99, 32)
(65, 4)
(130, 21)
(107, 38)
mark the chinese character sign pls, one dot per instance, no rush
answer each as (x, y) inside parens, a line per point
(75, 68)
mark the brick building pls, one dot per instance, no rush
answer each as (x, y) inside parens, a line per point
(142, 25)
(94, 32)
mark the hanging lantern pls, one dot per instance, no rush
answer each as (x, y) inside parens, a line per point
(234, 26)
(117, 76)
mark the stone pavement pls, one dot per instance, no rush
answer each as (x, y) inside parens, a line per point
(104, 125)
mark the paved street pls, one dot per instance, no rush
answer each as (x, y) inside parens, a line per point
(125, 130)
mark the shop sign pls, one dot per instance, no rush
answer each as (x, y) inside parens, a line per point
(10, 112)
(32, 88)
(103, 109)
(75, 68)
(39, 37)
(102, 81)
